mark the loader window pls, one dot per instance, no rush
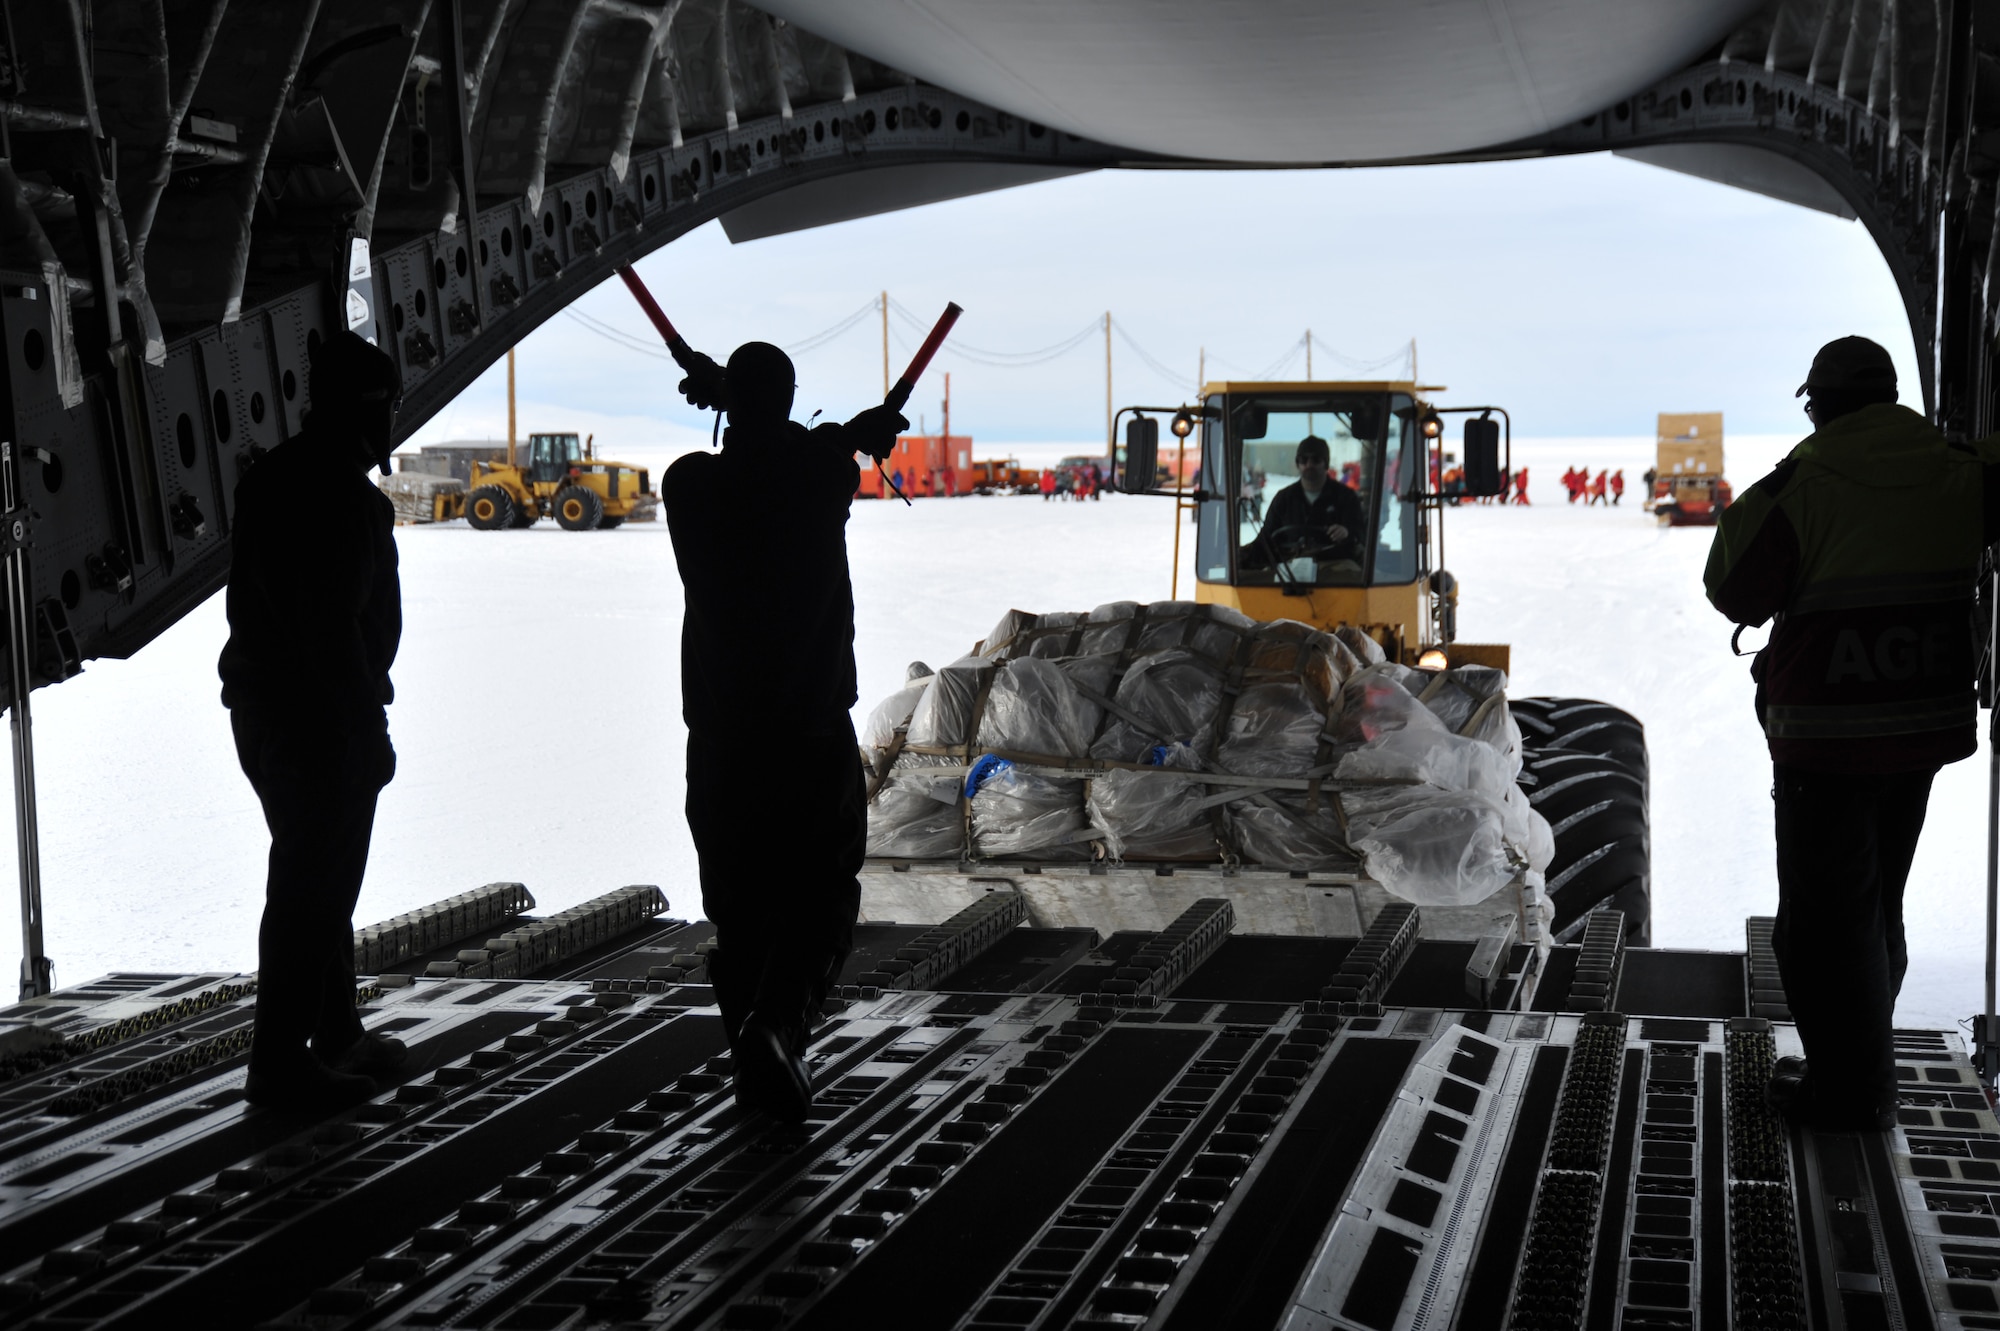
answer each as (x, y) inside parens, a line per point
(1286, 448)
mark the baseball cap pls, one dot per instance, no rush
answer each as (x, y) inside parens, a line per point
(1850, 363)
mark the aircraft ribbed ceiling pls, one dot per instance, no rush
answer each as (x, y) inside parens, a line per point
(1284, 80)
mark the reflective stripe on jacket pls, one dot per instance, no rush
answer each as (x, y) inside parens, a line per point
(1863, 545)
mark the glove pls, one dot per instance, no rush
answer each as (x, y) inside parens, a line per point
(874, 431)
(706, 385)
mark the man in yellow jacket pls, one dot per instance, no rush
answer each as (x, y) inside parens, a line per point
(1863, 545)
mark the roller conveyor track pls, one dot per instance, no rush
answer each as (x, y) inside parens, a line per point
(1183, 1129)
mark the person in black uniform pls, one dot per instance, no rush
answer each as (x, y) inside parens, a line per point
(1315, 515)
(775, 796)
(315, 615)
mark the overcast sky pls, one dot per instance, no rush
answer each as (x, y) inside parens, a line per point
(1584, 294)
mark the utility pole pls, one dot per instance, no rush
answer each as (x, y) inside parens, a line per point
(1309, 355)
(510, 406)
(885, 344)
(1413, 360)
(1201, 372)
(1110, 444)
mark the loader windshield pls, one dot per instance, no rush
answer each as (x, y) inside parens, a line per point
(1306, 504)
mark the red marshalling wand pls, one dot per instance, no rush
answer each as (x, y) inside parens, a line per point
(899, 395)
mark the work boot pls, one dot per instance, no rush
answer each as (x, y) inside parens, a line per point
(307, 1087)
(370, 1056)
(1788, 1093)
(771, 1077)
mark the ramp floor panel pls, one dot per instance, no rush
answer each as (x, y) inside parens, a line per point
(1013, 1150)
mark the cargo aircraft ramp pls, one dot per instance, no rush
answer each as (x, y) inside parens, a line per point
(1016, 1127)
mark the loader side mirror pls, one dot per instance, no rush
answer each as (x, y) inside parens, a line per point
(1139, 471)
(1483, 474)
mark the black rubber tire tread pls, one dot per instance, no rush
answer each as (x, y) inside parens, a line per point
(502, 505)
(608, 522)
(578, 508)
(1596, 806)
(525, 516)
(1631, 897)
(1618, 868)
(1582, 725)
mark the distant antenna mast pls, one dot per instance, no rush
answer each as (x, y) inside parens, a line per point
(885, 344)
(510, 406)
(1110, 444)
(1201, 371)
(1309, 355)
(1413, 360)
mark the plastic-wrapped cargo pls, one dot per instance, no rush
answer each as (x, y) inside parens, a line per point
(1167, 698)
(915, 814)
(944, 715)
(1279, 829)
(1044, 707)
(1152, 814)
(1195, 734)
(1431, 846)
(1368, 651)
(893, 712)
(1016, 812)
(1273, 730)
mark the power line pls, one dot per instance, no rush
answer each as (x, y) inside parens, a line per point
(1400, 355)
(629, 341)
(826, 335)
(991, 358)
(1001, 360)
(1278, 366)
(1152, 362)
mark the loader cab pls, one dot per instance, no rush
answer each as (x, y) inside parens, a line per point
(550, 456)
(1252, 552)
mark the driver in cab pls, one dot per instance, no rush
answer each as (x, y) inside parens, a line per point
(1315, 515)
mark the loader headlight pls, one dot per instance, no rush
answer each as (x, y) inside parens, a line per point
(1431, 660)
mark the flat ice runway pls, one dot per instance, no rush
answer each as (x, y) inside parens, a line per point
(538, 727)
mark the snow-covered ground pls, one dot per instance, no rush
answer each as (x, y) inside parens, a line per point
(537, 714)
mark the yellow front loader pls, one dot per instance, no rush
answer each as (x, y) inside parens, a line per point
(561, 480)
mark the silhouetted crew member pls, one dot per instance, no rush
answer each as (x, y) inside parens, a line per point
(315, 615)
(1863, 545)
(775, 799)
(1314, 515)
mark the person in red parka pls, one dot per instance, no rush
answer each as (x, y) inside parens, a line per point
(1521, 487)
(1597, 488)
(1617, 485)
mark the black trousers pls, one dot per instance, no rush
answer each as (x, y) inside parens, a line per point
(781, 830)
(318, 786)
(1845, 842)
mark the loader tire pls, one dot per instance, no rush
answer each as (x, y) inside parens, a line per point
(1594, 797)
(489, 508)
(1582, 725)
(578, 509)
(608, 522)
(526, 515)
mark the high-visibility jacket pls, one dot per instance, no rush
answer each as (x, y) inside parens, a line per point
(1864, 546)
